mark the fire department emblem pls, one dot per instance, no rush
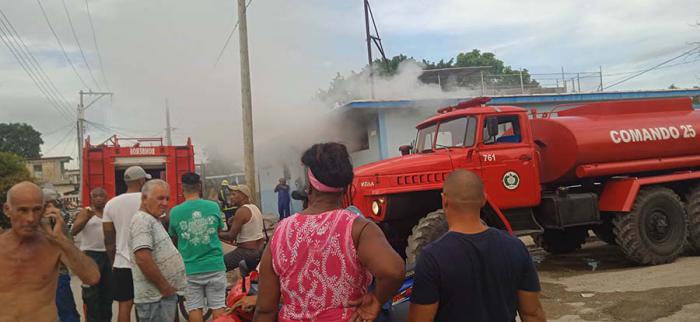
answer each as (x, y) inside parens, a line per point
(511, 180)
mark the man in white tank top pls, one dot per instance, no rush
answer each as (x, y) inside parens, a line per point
(88, 225)
(247, 230)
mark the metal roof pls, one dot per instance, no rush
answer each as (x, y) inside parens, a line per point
(523, 99)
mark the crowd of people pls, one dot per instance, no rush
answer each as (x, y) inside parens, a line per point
(324, 263)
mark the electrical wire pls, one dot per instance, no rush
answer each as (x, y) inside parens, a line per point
(24, 52)
(52, 132)
(686, 53)
(228, 39)
(58, 40)
(61, 141)
(32, 67)
(97, 48)
(77, 41)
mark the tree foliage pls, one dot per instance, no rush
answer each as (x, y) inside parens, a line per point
(12, 171)
(21, 139)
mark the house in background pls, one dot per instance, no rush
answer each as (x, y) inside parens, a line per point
(52, 170)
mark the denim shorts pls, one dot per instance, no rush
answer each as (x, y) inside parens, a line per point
(210, 286)
(164, 310)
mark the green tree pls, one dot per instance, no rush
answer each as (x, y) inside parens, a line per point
(12, 171)
(21, 139)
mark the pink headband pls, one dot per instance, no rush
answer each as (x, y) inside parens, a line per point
(318, 185)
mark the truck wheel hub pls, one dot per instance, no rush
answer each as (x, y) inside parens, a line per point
(657, 226)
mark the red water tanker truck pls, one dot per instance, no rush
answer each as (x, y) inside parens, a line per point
(628, 170)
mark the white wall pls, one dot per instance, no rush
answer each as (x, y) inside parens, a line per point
(400, 126)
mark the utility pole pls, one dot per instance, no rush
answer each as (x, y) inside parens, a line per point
(168, 129)
(369, 50)
(600, 72)
(81, 129)
(522, 85)
(247, 100)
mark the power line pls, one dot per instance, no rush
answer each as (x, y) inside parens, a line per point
(31, 67)
(26, 54)
(58, 40)
(77, 41)
(228, 39)
(686, 53)
(97, 47)
(52, 132)
(62, 140)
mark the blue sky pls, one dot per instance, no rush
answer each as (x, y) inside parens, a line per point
(166, 48)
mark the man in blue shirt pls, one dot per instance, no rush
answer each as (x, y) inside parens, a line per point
(473, 272)
(283, 206)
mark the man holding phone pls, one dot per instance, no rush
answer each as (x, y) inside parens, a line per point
(30, 253)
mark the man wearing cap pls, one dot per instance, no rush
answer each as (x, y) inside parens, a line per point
(196, 223)
(115, 222)
(246, 230)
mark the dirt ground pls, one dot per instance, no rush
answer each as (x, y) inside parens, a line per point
(597, 283)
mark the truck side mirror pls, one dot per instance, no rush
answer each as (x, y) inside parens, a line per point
(491, 127)
(405, 149)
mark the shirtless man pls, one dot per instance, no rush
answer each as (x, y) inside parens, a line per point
(29, 257)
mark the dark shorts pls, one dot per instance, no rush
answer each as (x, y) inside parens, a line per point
(122, 284)
(234, 257)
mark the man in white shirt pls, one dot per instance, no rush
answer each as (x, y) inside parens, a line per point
(115, 222)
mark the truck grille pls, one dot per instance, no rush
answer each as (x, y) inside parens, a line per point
(421, 178)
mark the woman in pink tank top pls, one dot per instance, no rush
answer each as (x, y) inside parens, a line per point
(320, 261)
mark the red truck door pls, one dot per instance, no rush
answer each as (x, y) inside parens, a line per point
(507, 158)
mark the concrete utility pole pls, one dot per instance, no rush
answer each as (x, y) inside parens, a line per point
(246, 100)
(168, 129)
(600, 72)
(81, 129)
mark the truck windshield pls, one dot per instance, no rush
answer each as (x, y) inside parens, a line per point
(453, 133)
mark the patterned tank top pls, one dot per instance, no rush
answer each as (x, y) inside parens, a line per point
(318, 266)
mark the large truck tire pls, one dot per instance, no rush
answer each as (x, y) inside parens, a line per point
(655, 231)
(428, 229)
(692, 209)
(564, 241)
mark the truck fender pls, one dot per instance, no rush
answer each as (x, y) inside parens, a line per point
(490, 204)
(619, 193)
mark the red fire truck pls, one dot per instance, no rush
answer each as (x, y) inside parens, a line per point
(104, 164)
(628, 170)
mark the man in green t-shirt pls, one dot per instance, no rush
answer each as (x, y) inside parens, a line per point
(196, 223)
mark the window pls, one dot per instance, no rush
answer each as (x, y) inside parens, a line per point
(424, 143)
(456, 133)
(452, 133)
(38, 170)
(508, 130)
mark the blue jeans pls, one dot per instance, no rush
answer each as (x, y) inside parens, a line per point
(65, 303)
(161, 311)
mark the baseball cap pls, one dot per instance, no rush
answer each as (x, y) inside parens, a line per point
(190, 178)
(242, 189)
(134, 173)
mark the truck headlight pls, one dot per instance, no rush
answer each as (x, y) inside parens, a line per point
(376, 207)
